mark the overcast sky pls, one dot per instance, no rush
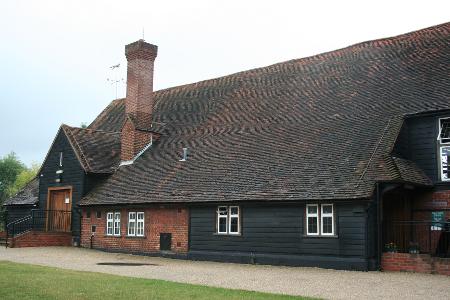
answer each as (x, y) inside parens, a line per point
(55, 55)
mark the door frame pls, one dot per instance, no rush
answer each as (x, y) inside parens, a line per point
(58, 188)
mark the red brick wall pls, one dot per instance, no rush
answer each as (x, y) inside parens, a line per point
(158, 219)
(41, 239)
(420, 263)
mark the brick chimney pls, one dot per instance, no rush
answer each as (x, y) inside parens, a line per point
(136, 132)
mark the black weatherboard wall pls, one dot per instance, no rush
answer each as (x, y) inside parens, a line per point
(417, 142)
(276, 234)
(73, 175)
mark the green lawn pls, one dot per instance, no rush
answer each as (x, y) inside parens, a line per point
(21, 281)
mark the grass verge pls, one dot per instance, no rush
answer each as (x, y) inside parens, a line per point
(22, 281)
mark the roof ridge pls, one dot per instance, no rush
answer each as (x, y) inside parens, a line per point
(68, 132)
(327, 54)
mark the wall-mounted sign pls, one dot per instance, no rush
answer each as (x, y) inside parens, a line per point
(438, 218)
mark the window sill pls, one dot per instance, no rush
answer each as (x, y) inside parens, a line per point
(135, 236)
(320, 236)
(228, 234)
(112, 236)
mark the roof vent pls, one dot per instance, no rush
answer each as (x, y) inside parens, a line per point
(184, 154)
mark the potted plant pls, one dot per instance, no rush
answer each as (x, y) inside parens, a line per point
(413, 248)
(391, 247)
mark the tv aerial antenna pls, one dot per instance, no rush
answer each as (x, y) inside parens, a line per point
(116, 80)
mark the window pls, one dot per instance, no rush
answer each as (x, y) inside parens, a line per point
(113, 223)
(322, 219)
(312, 219)
(136, 224)
(228, 220)
(444, 131)
(99, 214)
(88, 213)
(109, 223)
(117, 223)
(327, 221)
(132, 223)
(140, 224)
(93, 228)
(445, 153)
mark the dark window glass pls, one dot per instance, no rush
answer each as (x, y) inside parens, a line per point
(99, 214)
(88, 214)
(222, 225)
(234, 225)
(312, 225)
(93, 228)
(327, 224)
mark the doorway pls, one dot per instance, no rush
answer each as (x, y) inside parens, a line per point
(59, 207)
(165, 241)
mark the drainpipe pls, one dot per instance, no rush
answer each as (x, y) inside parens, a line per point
(379, 226)
(92, 237)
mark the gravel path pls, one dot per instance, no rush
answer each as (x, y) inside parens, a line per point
(314, 282)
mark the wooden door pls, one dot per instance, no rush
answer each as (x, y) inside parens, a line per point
(59, 210)
(165, 241)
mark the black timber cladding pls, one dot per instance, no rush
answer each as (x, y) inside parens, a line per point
(73, 175)
(279, 229)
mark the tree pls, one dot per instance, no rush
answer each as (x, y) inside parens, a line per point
(23, 178)
(14, 175)
(10, 168)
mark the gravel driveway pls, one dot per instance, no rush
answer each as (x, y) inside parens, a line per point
(314, 282)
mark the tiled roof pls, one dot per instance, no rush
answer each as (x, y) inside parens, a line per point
(314, 128)
(98, 151)
(28, 195)
(408, 171)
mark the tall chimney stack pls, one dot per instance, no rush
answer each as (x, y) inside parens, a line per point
(136, 132)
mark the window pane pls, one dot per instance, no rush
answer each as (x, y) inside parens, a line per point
(222, 225)
(312, 224)
(312, 209)
(445, 153)
(223, 210)
(327, 224)
(234, 210)
(234, 228)
(445, 130)
(132, 215)
(327, 209)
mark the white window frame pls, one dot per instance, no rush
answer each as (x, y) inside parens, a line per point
(311, 215)
(138, 222)
(132, 223)
(440, 131)
(319, 216)
(117, 224)
(327, 215)
(219, 216)
(109, 223)
(228, 216)
(441, 165)
(233, 216)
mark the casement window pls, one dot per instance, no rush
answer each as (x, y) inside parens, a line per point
(113, 223)
(228, 220)
(326, 219)
(444, 131)
(136, 223)
(444, 154)
(117, 223)
(444, 151)
(320, 220)
(312, 219)
(109, 223)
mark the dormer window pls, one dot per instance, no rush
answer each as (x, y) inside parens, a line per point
(444, 131)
